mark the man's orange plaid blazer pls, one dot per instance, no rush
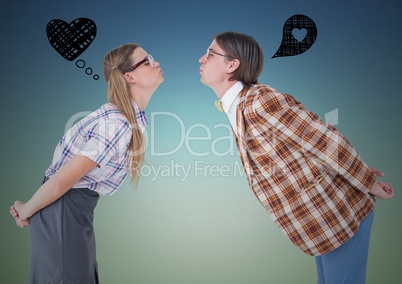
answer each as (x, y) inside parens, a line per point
(308, 176)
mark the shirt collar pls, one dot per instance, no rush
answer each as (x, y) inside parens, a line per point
(142, 119)
(230, 96)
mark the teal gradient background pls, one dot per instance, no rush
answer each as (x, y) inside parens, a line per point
(206, 227)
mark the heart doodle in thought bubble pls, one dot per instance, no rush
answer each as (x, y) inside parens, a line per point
(71, 40)
(299, 34)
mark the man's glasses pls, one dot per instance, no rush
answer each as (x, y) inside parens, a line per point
(150, 60)
(210, 51)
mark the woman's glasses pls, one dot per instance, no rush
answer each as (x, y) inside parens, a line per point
(150, 60)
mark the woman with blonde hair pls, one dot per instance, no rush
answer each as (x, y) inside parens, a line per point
(93, 157)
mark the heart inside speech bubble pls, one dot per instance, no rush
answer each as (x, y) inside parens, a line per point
(71, 40)
(299, 34)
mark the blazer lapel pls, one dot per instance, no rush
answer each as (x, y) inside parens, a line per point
(241, 135)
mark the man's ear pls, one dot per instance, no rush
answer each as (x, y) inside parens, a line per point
(129, 78)
(233, 65)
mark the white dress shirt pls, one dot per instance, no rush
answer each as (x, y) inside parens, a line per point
(230, 100)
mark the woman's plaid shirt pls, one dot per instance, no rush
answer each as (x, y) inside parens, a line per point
(308, 176)
(104, 137)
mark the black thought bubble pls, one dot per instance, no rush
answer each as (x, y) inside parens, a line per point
(299, 34)
(71, 40)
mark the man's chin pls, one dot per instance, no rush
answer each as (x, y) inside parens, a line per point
(203, 81)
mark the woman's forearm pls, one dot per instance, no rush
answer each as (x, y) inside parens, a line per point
(56, 186)
(48, 193)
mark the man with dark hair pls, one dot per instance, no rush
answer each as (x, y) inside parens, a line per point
(309, 178)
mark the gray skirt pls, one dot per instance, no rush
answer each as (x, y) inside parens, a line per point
(63, 242)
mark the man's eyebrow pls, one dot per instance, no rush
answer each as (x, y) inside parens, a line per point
(213, 50)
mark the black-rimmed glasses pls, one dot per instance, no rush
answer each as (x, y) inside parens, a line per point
(210, 51)
(150, 60)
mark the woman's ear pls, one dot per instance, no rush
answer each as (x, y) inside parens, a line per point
(129, 78)
(233, 65)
